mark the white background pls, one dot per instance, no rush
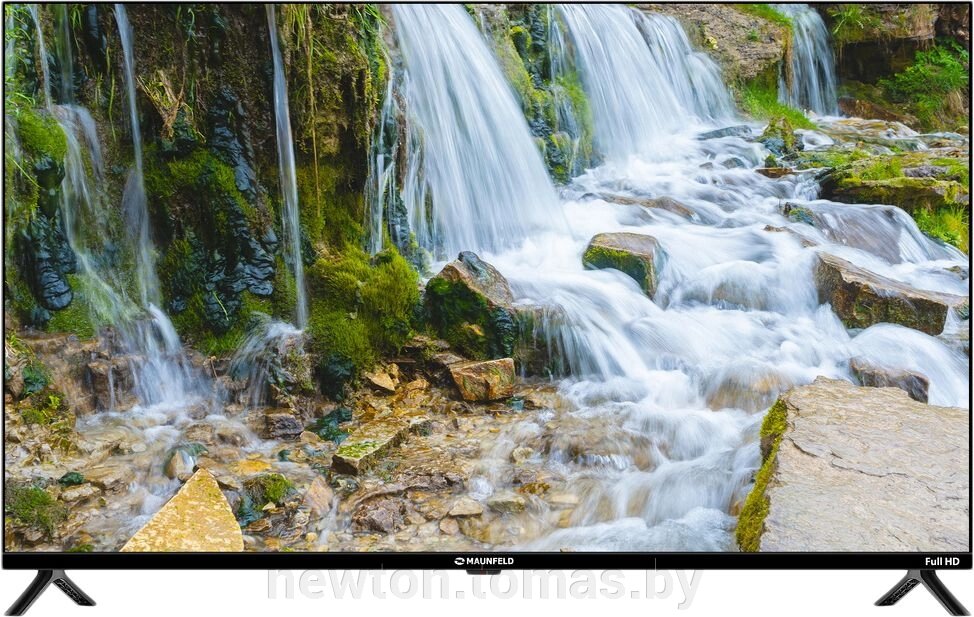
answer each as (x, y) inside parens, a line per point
(241, 593)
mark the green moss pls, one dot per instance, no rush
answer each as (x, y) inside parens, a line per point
(268, 488)
(81, 548)
(356, 450)
(633, 265)
(951, 225)
(45, 409)
(759, 100)
(76, 317)
(35, 507)
(72, 478)
(360, 308)
(750, 522)
(40, 134)
(468, 321)
(766, 12)
(934, 87)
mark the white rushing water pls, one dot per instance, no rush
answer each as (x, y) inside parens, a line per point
(291, 215)
(811, 83)
(642, 78)
(667, 392)
(470, 150)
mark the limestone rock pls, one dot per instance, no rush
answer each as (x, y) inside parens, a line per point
(865, 469)
(111, 383)
(369, 442)
(874, 376)
(465, 506)
(484, 381)
(634, 254)
(197, 519)
(319, 497)
(281, 424)
(861, 298)
(506, 502)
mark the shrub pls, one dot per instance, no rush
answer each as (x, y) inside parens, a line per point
(934, 85)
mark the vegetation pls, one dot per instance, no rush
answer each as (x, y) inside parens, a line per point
(760, 100)
(951, 225)
(750, 522)
(35, 507)
(766, 12)
(934, 87)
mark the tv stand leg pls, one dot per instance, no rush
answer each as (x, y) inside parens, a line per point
(40, 583)
(929, 579)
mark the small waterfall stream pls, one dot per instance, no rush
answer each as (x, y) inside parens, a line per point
(289, 184)
(470, 150)
(812, 84)
(660, 86)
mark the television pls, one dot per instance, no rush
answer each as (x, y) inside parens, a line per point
(487, 286)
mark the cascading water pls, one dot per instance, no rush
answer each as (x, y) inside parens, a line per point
(666, 393)
(289, 184)
(660, 87)
(811, 82)
(474, 178)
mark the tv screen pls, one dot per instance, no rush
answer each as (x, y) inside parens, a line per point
(487, 285)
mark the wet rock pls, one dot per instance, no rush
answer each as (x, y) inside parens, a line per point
(249, 467)
(79, 493)
(484, 381)
(470, 304)
(875, 376)
(384, 380)
(181, 460)
(111, 383)
(637, 255)
(47, 259)
(450, 526)
(856, 469)
(779, 137)
(773, 172)
(372, 440)
(651, 203)
(319, 497)
(740, 130)
(281, 424)
(466, 506)
(112, 476)
(197, 519)
(382, 515)
(506, 502)
(861, 298)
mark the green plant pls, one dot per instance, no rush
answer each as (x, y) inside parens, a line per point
(850, 21)
(933, 86)
(761, 101)
(951, 225)
(766, 12)
(35, 507)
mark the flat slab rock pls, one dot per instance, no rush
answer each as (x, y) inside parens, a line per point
(197, 519)
(373, 439)
(868, 469)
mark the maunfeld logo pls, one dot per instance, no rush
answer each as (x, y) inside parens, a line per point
(483, 561)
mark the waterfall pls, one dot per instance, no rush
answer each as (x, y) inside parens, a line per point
(474, 178)
(643, 79)
(812, 83)
(41, 55)
(289, 184)
(133, 197)
(65, 54)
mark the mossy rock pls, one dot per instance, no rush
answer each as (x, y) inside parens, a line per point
(750, 522)
(779, 137)
(469, 303)
(34, 507)
(636, 255)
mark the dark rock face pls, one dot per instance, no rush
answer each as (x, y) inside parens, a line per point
(230, 140)
(46, 259)
(861, 298)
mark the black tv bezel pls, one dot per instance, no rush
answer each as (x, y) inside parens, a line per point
(499, 560)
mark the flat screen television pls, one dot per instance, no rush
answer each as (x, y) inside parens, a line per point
(486, 287)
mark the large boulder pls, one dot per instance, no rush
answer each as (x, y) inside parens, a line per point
(198, 519)
(484, 381)
(861, 298)
(850, 469)
(637, 255)
(469, 303)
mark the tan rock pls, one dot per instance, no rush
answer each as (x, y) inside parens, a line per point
(867, 469)
(636, 255)
(466, 506)
(319, 497)
(197, 519)
(484, 381)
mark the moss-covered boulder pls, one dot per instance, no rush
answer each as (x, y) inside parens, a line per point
(484, 381)
(861, 298)
(848, 468)
(637, 255)
(469, 303)
(779, 137)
